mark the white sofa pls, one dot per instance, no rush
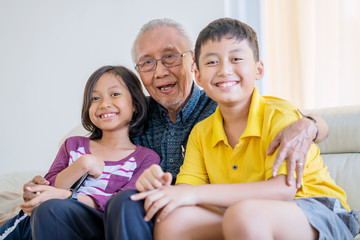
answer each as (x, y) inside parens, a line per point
(340, 151)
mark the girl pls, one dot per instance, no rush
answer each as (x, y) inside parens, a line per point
(114, 110)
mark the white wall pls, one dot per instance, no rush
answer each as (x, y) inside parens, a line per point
(48, 49)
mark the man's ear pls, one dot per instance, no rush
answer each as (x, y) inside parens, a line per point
(193, 65)
(259, 70)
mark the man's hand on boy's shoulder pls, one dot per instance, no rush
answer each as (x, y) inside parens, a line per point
(293, 142)
(37, 180)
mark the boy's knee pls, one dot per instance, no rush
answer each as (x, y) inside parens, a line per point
(166, 229)
(240, 219)
(240, 209)
(175, 224)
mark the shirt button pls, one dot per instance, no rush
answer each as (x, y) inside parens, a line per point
(235, 167)
(172, 133)
(164, 114)
(171, 160)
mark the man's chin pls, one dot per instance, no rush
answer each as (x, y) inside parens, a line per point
(171, 104)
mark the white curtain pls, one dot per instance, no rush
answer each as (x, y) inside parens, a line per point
(312, 51)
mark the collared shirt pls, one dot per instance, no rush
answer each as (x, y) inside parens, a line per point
(169, 139)
(210, 159)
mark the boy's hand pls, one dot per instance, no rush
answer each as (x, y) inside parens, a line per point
(165, 199)
(294, 142)
(153, 178)
(42, 193)
(37, 180)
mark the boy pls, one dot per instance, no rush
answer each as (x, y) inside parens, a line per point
(226, 166)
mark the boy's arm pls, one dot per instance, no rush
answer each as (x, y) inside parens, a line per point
(294, 142)
(166, 199)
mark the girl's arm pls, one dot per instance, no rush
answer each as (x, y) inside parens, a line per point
(85, 164)
(45, 193)
(221, 195)
(60, 163)
(87, 200)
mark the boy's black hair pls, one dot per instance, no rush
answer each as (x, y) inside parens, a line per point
(139, 119)
(229, 28)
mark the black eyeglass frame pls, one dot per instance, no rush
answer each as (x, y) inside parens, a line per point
(163, 61)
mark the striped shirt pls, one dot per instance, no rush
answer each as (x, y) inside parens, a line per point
(116, 176)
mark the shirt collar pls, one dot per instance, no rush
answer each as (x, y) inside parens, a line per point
(254, 123)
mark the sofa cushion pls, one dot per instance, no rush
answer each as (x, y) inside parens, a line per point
(344, 129)
(344, 169)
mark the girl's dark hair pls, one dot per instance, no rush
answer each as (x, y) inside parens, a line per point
(230, 28)
(139, 119)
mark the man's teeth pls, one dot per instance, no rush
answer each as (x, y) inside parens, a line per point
(226, 84)
(165, 88)
(108, 115)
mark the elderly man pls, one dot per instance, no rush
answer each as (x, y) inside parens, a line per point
(163, 56)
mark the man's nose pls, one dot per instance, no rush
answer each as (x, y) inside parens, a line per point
(160, 69)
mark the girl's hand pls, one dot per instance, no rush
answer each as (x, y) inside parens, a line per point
(37, 180)
(43, 193)
(166, 199)
(94, 165)
(153, 178)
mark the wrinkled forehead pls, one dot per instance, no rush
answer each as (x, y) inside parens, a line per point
(160, 40)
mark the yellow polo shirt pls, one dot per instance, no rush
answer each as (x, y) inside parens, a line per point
(210, 159)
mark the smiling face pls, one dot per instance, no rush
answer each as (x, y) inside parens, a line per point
(227, 70)
(170, 87)
(111, 104)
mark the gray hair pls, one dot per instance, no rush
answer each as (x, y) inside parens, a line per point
(165, 22)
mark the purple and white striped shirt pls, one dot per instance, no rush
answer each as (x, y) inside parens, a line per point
(116, 176)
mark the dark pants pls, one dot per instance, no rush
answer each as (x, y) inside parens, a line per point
(16, 228)
(124, 218)
(68, 219)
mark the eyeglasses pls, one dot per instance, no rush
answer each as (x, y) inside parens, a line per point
(169, 61)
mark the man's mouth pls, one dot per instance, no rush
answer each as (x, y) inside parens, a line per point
(166, 87)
